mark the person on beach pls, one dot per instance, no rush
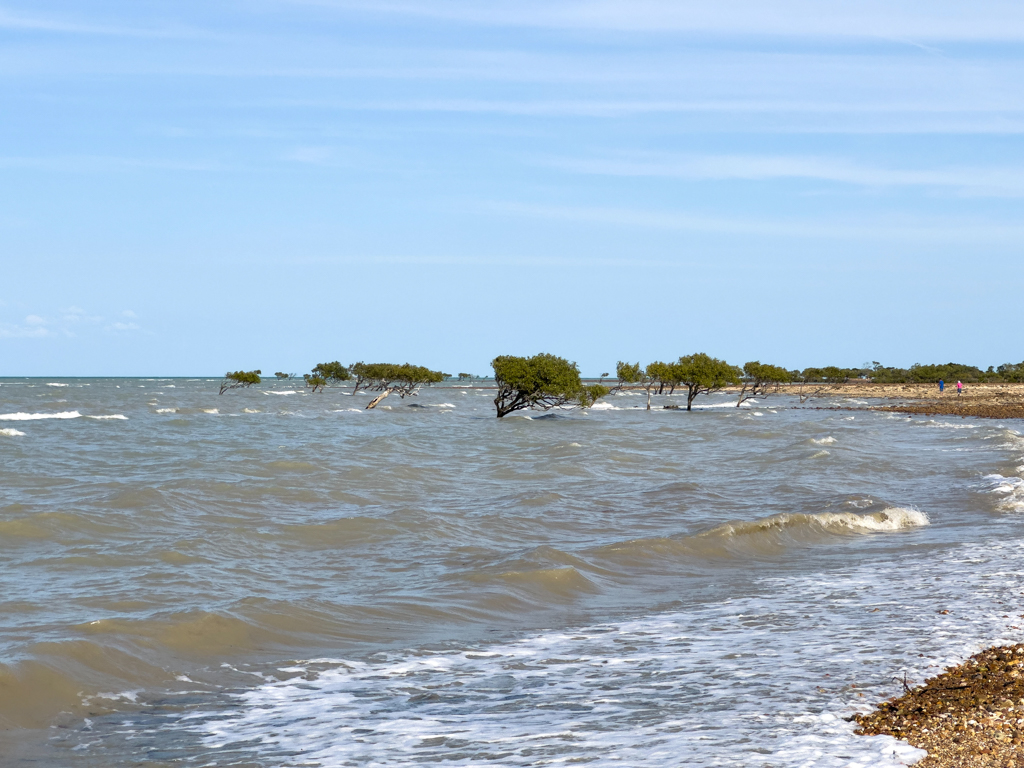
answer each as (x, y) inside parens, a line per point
(959, 389)
(942, 386)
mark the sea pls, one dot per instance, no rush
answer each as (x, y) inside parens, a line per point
(273, 577)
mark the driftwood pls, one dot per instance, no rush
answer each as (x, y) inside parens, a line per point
(378, 398)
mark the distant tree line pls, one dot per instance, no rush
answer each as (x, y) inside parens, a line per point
(918, 373)
(546, 381)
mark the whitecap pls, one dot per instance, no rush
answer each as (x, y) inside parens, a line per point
(284, 392)
(210, 410)
(250, 410)
(8, 432)
(117, 416)
(166, 410)
(38, 416)
(823, 440)
(600, 405)
(440, 405)
(56, 384)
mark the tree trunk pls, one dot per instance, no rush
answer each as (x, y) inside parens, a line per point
(378, 398)
(648, 398)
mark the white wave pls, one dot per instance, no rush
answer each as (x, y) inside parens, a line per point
(821, 455)
(250, 410)
(779, 694)
(38, 416)
(56, 384)
(348, 410)
(210, 410)
(440, 405)
(284, 392)
(166, 410)
(889, 519)
(949, 425)
(8, 432)
(1011, 488)
(823, 440)
(601, 405)
(117, 416)
(758, 413)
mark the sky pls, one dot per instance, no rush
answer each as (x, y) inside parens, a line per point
(193, 187)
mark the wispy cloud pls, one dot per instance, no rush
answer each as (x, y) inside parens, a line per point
(867, 228)
(31, 327)
(915, 20)
(101, 163)
(70, 322)
(996, 182)
(310, 155)
(15, 20)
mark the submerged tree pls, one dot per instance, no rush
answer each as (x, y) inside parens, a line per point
(543, 381)
(282, 375)
(632, 376)
(326, 374)
(664, 375)
(405, 379)
(465, 376)
(702, 374)
(236, 379)
(820, 382)
(760, 379)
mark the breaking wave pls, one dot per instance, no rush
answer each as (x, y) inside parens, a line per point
(766, 536)
(116, 416)
(39, 416)
(11, 432)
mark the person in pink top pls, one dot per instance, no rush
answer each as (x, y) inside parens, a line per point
(959, 388)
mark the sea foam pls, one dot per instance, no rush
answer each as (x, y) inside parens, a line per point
(39, 416)
(8, 432)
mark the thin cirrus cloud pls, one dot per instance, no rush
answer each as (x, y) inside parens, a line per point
(982, 182)
(61, 24)
(914, 21)
(903, 229)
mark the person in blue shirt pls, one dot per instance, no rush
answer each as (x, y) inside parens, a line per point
(942, 386)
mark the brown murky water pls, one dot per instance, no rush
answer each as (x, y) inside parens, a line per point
(275, 578)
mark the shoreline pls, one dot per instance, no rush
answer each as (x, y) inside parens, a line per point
(971, 714)
(987, 401)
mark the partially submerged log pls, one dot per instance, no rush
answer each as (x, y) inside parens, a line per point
(378, 398)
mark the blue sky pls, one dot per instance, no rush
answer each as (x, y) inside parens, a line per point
(191, 187)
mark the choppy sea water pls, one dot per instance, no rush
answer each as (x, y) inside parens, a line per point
(276, 578)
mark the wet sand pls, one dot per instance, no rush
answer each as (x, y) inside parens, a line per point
(970, 715)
